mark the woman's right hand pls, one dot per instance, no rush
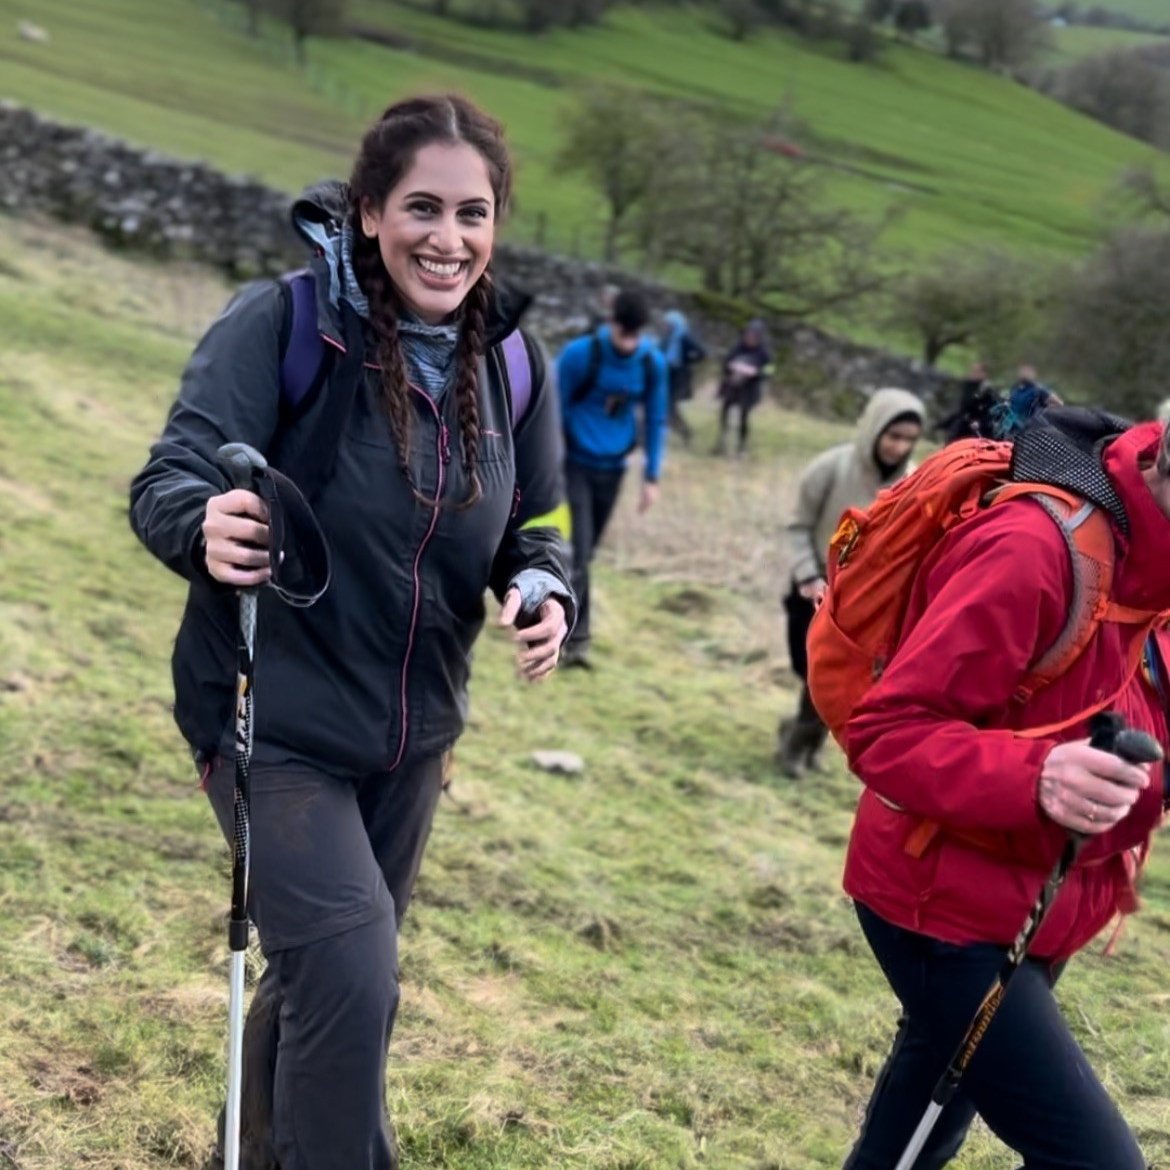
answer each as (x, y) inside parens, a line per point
(235, 539)
(1088, 791)
(814, 591)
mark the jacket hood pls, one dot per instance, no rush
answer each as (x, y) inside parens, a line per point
(1143, 579)
(882, 408)
(318, 216)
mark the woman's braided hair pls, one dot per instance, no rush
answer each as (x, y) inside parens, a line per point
(387, 153)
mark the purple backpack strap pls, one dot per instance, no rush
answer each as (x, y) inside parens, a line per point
(519, 367)
(304, 351)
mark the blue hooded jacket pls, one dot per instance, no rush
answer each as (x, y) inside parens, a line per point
(601, 429)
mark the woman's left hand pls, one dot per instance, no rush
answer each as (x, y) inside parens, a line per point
(539, 645)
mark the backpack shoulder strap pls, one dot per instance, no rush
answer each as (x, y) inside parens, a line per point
(1088, 537)
(585, 388)
(303, 353)
(518, 367)
(647, 376)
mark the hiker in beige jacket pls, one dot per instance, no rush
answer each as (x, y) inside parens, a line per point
(849, 475)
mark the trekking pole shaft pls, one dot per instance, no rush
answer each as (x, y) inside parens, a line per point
(240, 464)
(235, 1063)
(949, 1081)
(1109, 735)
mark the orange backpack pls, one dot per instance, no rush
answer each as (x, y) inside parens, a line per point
(876, 553)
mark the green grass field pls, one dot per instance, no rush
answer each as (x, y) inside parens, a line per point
(965, 157)
(1078, 41)
(650, 966)
(1151, 10)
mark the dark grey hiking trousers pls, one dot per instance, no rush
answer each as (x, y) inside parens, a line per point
(332, 871)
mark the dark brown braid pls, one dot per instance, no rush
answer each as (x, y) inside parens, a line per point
(384, 310)
(472, 342)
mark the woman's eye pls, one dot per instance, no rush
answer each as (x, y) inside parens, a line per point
(478, 213)
(421, 207)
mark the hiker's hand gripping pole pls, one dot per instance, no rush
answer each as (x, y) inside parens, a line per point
(1108, 733)
(240, 463)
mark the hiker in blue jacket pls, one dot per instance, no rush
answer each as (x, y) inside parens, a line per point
(606, 378)
(441, 484)
(682, 351)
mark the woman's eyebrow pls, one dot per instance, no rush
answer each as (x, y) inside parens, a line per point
(439, 199)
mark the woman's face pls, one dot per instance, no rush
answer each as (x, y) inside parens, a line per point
(436, 229)
(895, 443)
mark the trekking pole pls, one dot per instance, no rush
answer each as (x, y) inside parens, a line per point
(240, 463)
(1108, 733)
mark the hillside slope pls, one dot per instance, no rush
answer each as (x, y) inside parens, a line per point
(966, 157)
(648, 966)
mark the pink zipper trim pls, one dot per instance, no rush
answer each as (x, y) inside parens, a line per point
(443, 450)
(341, 349)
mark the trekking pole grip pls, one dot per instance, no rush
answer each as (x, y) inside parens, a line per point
(239, 463)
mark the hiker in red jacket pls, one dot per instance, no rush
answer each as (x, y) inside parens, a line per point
(964, 812)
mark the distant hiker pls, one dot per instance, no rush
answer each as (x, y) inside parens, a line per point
(1024, 401)
(430, 492)
(1163, 414)
(682, 351)
(1043, 604)
(845, 476)
(974, 415)
(607, 379)
(744, 371)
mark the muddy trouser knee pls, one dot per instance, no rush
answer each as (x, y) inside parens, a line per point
(333, 865)
(1029, 1079)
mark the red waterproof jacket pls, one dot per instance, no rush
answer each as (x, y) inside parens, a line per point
(936, 736)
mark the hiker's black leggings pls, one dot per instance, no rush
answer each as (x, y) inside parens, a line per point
(1029, 1079)
(745, 406)
(333, 866)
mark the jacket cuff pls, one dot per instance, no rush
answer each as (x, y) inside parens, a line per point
(536, 586)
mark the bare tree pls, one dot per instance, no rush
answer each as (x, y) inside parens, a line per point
(964, 300)
(741, 17)
(1001, 33)
(912, 17)
(1148, 190)
(1123, 89)
(1110, 339)
(309, 18)
(613, 136)
(759, 225)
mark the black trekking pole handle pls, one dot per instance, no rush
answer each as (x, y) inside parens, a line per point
(1107, 733)
(240, 463)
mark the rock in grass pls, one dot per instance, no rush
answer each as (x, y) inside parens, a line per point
(563, 763)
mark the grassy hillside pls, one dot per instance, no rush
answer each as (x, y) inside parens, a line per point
(1151, 10)
(1078, 41)
(648, 966)
(966, 157)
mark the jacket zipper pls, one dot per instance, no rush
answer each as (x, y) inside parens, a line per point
(443, 451)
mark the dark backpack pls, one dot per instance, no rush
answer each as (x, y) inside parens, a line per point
(306, 361)
(596, 356)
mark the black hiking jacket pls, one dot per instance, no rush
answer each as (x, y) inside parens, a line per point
(375, 674)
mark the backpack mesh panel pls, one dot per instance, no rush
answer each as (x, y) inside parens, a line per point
(1063, 448)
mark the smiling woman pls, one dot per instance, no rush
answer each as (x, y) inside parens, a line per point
(358, 698)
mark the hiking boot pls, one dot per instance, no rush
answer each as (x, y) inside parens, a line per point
(789, 753)
(575, 655)
(814, 759)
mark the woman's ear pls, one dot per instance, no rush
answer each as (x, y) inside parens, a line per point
(369, 220)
